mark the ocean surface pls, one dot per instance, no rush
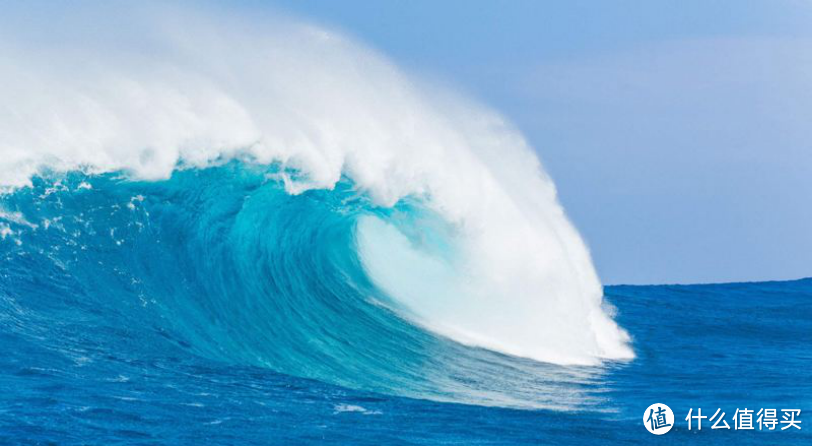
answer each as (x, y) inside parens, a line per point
(217, 308)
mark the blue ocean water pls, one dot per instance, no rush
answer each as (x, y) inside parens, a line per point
(214, 308)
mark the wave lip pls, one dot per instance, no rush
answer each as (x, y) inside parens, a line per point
(512, 273)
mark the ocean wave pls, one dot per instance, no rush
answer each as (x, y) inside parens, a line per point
(282, 196)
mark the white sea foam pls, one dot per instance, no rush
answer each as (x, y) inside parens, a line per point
(147, 89)
(353, 408)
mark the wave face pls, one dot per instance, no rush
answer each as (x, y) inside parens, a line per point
(224, 263)
(270, 193)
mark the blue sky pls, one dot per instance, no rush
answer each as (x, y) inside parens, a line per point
(678, 133)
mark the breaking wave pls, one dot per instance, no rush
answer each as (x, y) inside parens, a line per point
(270, 192)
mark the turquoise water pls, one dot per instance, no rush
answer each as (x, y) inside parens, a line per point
(214, 308)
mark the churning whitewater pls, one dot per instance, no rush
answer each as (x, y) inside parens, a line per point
(281, 185)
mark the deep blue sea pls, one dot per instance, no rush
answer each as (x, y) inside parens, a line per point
(213, 308)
